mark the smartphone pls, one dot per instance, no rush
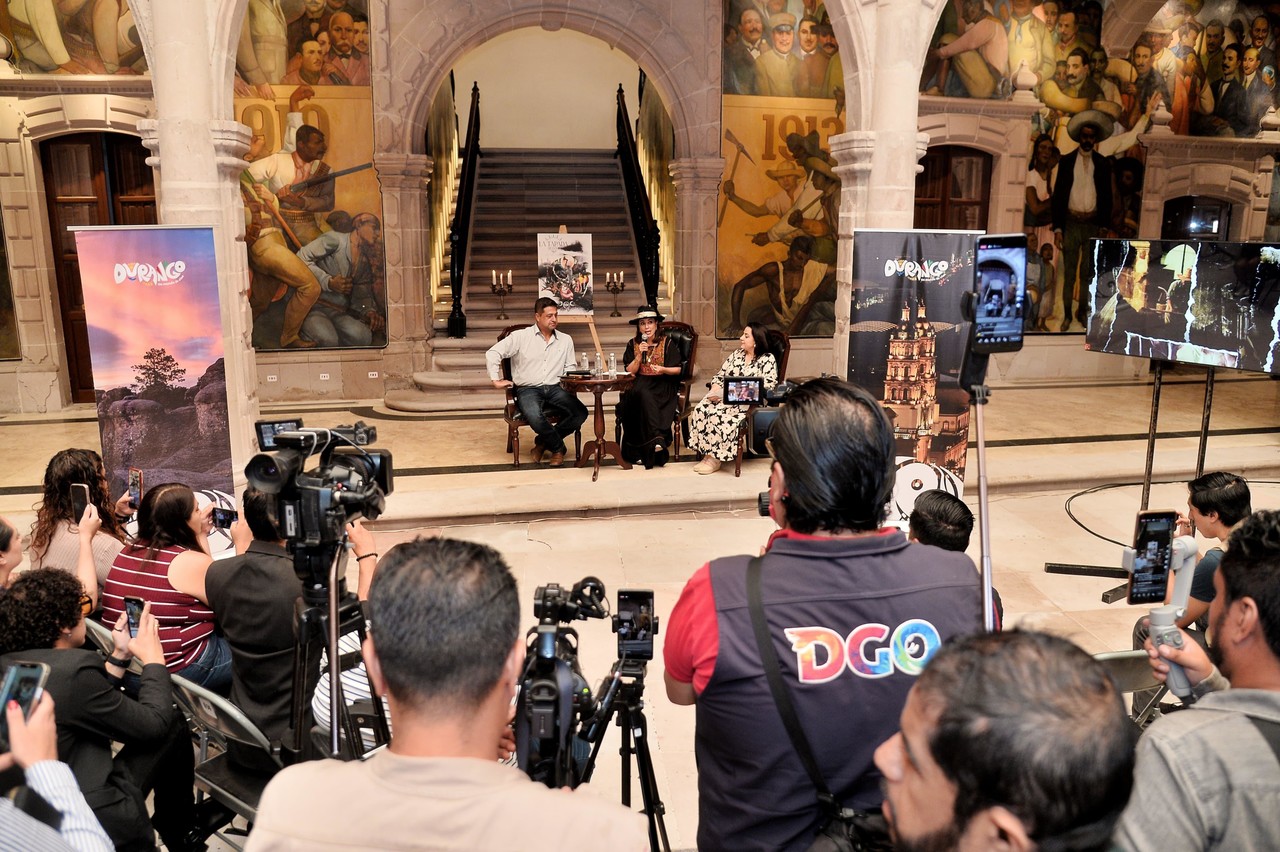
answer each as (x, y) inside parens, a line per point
(135, 488)
(133, 612)
(635, 624)
(1000, 282)
(224, 518)
(79, 500)
(24, 683)
(1153, 557)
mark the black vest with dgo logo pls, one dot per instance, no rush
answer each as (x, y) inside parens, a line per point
(853, 621)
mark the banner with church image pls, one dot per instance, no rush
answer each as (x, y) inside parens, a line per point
(906, 344)
(780, 196)
(313, 206)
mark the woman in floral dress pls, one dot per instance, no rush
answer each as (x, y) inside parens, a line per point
(713, 425)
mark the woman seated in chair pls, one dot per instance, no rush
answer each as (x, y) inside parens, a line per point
(166, 567)
(55, 540)
(42, 620)
(648, 408)
(713, 425)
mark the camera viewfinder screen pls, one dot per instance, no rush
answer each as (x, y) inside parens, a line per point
(268, 429)
(1153, 546)
(1002, 292)
(743, 390)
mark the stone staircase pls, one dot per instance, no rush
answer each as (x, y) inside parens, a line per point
(520, 194)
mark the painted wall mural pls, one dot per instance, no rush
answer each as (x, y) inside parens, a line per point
(73, 36)
(313, 208)
(783, 98)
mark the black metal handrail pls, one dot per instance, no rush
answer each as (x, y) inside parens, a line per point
(643, 225)
(460, 230)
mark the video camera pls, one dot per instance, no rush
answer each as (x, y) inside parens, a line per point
(313, 507)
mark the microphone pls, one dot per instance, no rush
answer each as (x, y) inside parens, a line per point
(644, 356)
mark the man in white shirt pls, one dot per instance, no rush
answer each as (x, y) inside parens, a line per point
(539, 357)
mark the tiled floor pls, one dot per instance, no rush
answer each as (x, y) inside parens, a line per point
(652, 529)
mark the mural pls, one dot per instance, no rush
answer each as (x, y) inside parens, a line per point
(1204, 67)
(72, 36)
(313, 209)
(783, 98)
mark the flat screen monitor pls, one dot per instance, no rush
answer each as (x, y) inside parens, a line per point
(1208, 303)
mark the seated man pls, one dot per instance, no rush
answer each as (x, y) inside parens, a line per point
(943, 520)
(838, 593)
(446, 648)
(1204, 778)
(1012, 741)
(1217, 503)
(539, 357)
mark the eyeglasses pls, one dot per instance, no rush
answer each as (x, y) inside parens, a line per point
(86, 603)
(768, 445)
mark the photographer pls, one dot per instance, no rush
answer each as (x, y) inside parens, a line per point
(829, 573)
(1204, 778)
(445, 647)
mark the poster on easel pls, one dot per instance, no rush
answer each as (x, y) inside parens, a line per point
(906, 344)
(155, 338)
(564, 273)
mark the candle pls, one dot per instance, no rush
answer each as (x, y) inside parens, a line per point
(494, 273)
(621, 275)
(508, 277)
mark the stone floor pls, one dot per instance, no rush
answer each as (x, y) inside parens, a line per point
(651, 529)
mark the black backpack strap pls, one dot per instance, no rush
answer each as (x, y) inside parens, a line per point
(1270, 731)
(782, 698)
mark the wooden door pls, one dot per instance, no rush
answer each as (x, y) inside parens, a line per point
(90, 179)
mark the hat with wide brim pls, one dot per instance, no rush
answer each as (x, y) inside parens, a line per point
(787, 169)
(645, 312)
(1103, 122)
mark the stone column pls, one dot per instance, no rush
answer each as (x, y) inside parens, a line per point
(697, 184)
(854, 152)
(406, 233)
(198, 157)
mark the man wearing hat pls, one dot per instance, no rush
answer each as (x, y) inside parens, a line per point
(796, 193)
(1081, 207)
(776, 69)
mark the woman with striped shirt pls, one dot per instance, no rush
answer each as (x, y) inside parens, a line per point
(165, 566)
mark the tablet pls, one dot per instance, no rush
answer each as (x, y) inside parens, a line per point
(743, 390)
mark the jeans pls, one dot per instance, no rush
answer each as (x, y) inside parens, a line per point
(212, 669)
(537, 401)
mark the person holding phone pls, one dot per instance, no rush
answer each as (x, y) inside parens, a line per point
(42, 620)
(713, 425)
(166, 566)
(55, 536)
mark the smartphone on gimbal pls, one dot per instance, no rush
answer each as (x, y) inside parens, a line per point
(1153, 557)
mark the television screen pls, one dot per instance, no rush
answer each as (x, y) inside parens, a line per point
(1209, 303)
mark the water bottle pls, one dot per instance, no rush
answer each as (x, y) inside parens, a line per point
(599, 365)
(586, 364)
(613, 365)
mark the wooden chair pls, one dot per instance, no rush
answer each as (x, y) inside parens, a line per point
(512, 415)
(780, 346)
(684, 336)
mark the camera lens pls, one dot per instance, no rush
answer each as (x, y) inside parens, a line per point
(270, 472)
(762, 504)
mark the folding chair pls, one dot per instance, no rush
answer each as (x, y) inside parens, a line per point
(101, 637)
(216, 722)
(1131, 671)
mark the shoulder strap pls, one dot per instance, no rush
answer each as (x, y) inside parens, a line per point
(1270, 731)
(781, 698)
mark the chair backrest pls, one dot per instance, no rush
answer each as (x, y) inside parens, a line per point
(1131, 670)
(99, 635)
(217, 714)
(684, 336)
(780, 346)
(506, 362)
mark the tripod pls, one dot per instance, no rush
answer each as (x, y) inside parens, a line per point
(625, 701)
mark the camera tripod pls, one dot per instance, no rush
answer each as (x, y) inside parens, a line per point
(625, 702)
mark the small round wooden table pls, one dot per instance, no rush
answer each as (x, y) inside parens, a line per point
(599, 386)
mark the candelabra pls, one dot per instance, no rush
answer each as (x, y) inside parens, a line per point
(501, 287)
(614, 284)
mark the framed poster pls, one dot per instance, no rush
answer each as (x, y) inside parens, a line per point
(564, 272)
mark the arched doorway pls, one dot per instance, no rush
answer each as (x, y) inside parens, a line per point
(953, 190)
(90, 179)
(1196, 217)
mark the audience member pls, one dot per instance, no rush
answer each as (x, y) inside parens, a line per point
(55, 540)
(648, 408)
(33, 746)
(713, 425)
(1204, 778)
(165, 566)
(1012, 741)
(539, 355)
(42, 620)
(943, 520)
(829, 573)
(10, 550)
(445, 646)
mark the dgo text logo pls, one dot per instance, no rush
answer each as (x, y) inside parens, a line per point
(151, 275)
